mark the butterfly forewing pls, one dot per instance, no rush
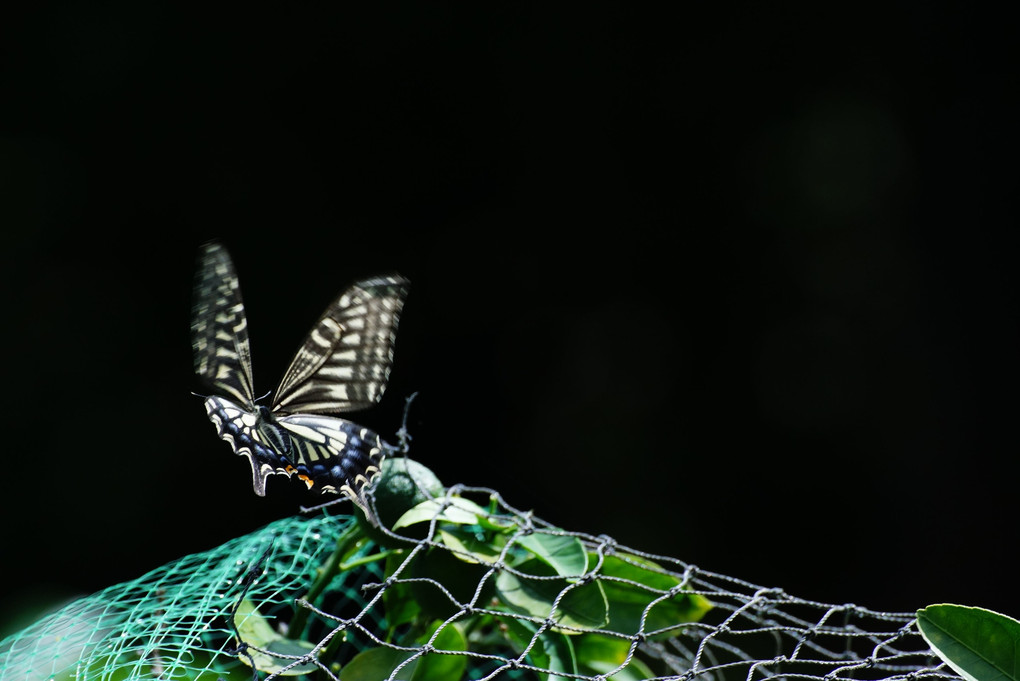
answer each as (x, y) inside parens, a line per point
(219, 330)
(345, 361)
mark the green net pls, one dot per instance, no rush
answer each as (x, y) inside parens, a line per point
(174, 622)
(464, 587)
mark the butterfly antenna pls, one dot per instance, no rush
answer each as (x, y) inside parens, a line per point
(403, 435)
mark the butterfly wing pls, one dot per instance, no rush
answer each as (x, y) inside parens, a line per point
(345, 361)
(343, 365)
(239, 427)
(333, 454)
(330, 455)
(219, 329)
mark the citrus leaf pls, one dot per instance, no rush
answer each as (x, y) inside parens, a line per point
(551, 651)
(441, 583)
(377, 663)
(437, 666)
(253, 629)
(403, 483)
(463, 541)
(564, 554)
(561, 655)
(582, 607)
(629, 602)
(459, 511)
(603, 654)
(497, 523)
(979, 644)
(520, 633)
(397, 600)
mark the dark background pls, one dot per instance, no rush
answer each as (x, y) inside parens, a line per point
(734, 285)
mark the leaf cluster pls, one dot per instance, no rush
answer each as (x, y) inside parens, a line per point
(479, 590)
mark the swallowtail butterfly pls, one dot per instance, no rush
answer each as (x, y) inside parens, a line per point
(342, 366)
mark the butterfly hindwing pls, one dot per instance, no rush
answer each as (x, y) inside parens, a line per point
(344, 363)
(330, 455)
(219, 329)
(334, 454)
(238, 426)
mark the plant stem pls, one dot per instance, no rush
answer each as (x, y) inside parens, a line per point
(345, 544)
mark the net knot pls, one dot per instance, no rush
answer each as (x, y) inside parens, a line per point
(771, 592)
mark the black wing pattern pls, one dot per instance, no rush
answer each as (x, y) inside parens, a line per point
(343, 365)
(345, 361)
(219, 329)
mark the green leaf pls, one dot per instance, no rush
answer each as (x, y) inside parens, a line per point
(377, 663)
(582, 607)
(463, 541)
(565, 554)
(601, 654)
(441, 582)
(254, 630)
(979, 644)
(552, 651)
(497, 523)
(459, 511)
(200, 666)
(439, 667)
(627, 602)
(561, 655)
(400, 606)
(520, 632)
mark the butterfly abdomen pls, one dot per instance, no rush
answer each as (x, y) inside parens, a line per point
(272, 434)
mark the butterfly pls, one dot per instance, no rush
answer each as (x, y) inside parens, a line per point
(343, 365)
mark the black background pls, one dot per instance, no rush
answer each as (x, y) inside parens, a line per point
(736, 285)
